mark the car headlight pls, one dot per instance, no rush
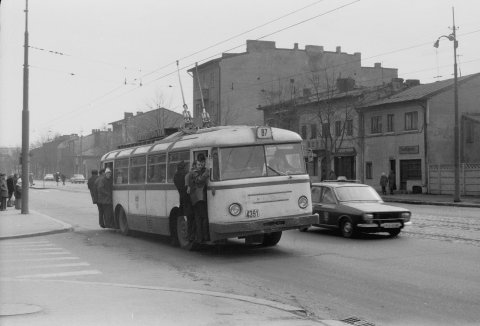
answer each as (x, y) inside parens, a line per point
(235, 209)
(406, 216)
(303, 202)
(368, 217)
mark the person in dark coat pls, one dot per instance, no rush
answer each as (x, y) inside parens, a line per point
(101, 217)
(3, 192)
(391, 182)
(104, 197)
(198, 196)
(384, 183)
(94, 195)
(11, 189)
(181, 181)
(18, 194)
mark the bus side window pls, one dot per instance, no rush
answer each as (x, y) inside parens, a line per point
(215, 167)
(173, 160)
(156, 168)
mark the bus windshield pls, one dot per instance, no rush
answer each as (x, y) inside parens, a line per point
(260, 161)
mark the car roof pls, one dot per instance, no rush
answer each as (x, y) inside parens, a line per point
(336, 184)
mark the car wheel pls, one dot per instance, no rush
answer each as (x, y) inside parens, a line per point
(347, 228)
(304, 229)
(271, 239)
(182, 234)
(394, 233)
(123, 223)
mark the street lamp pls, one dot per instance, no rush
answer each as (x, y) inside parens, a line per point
(453, 37)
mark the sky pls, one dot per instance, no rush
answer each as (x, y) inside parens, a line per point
(90, 61)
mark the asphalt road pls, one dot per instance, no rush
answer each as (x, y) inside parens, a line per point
(429, 275)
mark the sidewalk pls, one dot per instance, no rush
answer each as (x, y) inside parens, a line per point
(14, 224)
(30, 301)
(427, 199)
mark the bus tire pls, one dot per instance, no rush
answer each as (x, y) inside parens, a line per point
(271, 239)
(182, 234)
(123, 223)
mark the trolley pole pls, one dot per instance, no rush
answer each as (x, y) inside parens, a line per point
(25, 123)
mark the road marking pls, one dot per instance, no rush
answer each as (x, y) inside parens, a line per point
(39, 249)
(43, 253)
(78, 273)
(39, 259)
(27, 243)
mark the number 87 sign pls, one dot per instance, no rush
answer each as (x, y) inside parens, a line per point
(264, 132)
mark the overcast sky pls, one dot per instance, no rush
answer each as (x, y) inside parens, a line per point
(88, 57)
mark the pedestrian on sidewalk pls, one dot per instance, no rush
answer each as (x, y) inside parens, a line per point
(384, 183)
(18, 194)
(3, 192)
(11, 189)
(104, 191)
(63, 177)
(391, 182)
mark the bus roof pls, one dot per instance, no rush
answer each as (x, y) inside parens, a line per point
(210, 137)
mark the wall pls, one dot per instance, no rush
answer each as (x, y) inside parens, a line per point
(385, 146)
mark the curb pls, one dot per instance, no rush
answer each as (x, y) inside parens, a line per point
(421, 202)
(65, 227)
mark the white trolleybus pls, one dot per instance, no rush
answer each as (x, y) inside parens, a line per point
(258, 184)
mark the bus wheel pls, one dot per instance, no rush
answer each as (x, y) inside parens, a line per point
(271, 239)
(182, 234)
(122, 221)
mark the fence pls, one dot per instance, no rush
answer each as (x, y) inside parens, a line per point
(441, 179)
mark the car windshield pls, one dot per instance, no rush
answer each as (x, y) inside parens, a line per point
(356, 193)
(258, 161)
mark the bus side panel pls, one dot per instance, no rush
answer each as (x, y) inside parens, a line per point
(157, 215)
(137, 210)
(120, 197)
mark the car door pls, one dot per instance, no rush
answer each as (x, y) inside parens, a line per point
(328, 202)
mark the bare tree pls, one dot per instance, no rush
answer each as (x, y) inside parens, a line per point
(335, 109)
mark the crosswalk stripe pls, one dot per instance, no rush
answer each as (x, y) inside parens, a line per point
(39, 259)
(60, 265)
(42, 253)
(78, 273)
(39, 249)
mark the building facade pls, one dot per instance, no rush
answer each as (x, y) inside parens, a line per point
(412, 134)
(235, 85)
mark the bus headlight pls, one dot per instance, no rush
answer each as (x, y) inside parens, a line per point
(302, 202)
(235, 209)
(406, 216)
(367, 217)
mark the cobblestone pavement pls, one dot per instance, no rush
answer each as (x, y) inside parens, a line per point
(452, 224)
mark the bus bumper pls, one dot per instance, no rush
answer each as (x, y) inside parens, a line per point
(219, 231)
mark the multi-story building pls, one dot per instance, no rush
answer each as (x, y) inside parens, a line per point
(412, 134)
(235, 85)
(152, 124)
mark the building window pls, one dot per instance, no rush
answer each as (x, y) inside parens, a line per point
(390, 125)
(368, 170)
(376, 127)
(411, 120)
(304, 132)
(349, 127)
(326, 130)
(313, 128)
(338, 128)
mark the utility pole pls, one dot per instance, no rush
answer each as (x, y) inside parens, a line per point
(25, 122)
(456, 196)
(456, 138)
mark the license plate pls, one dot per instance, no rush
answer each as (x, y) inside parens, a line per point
(252, 213)
(391, 225)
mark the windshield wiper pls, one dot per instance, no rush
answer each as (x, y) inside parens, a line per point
(277, 172)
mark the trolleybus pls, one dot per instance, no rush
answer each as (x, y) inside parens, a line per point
(258, 184)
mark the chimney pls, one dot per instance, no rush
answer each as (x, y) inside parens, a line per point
(295, 46)
(127, 115)
(139, 113)
(412, 82)
(397, 84)
(377, 65)
(339, 49)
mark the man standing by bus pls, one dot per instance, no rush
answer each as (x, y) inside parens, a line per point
(198, 196)
(104, 192)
